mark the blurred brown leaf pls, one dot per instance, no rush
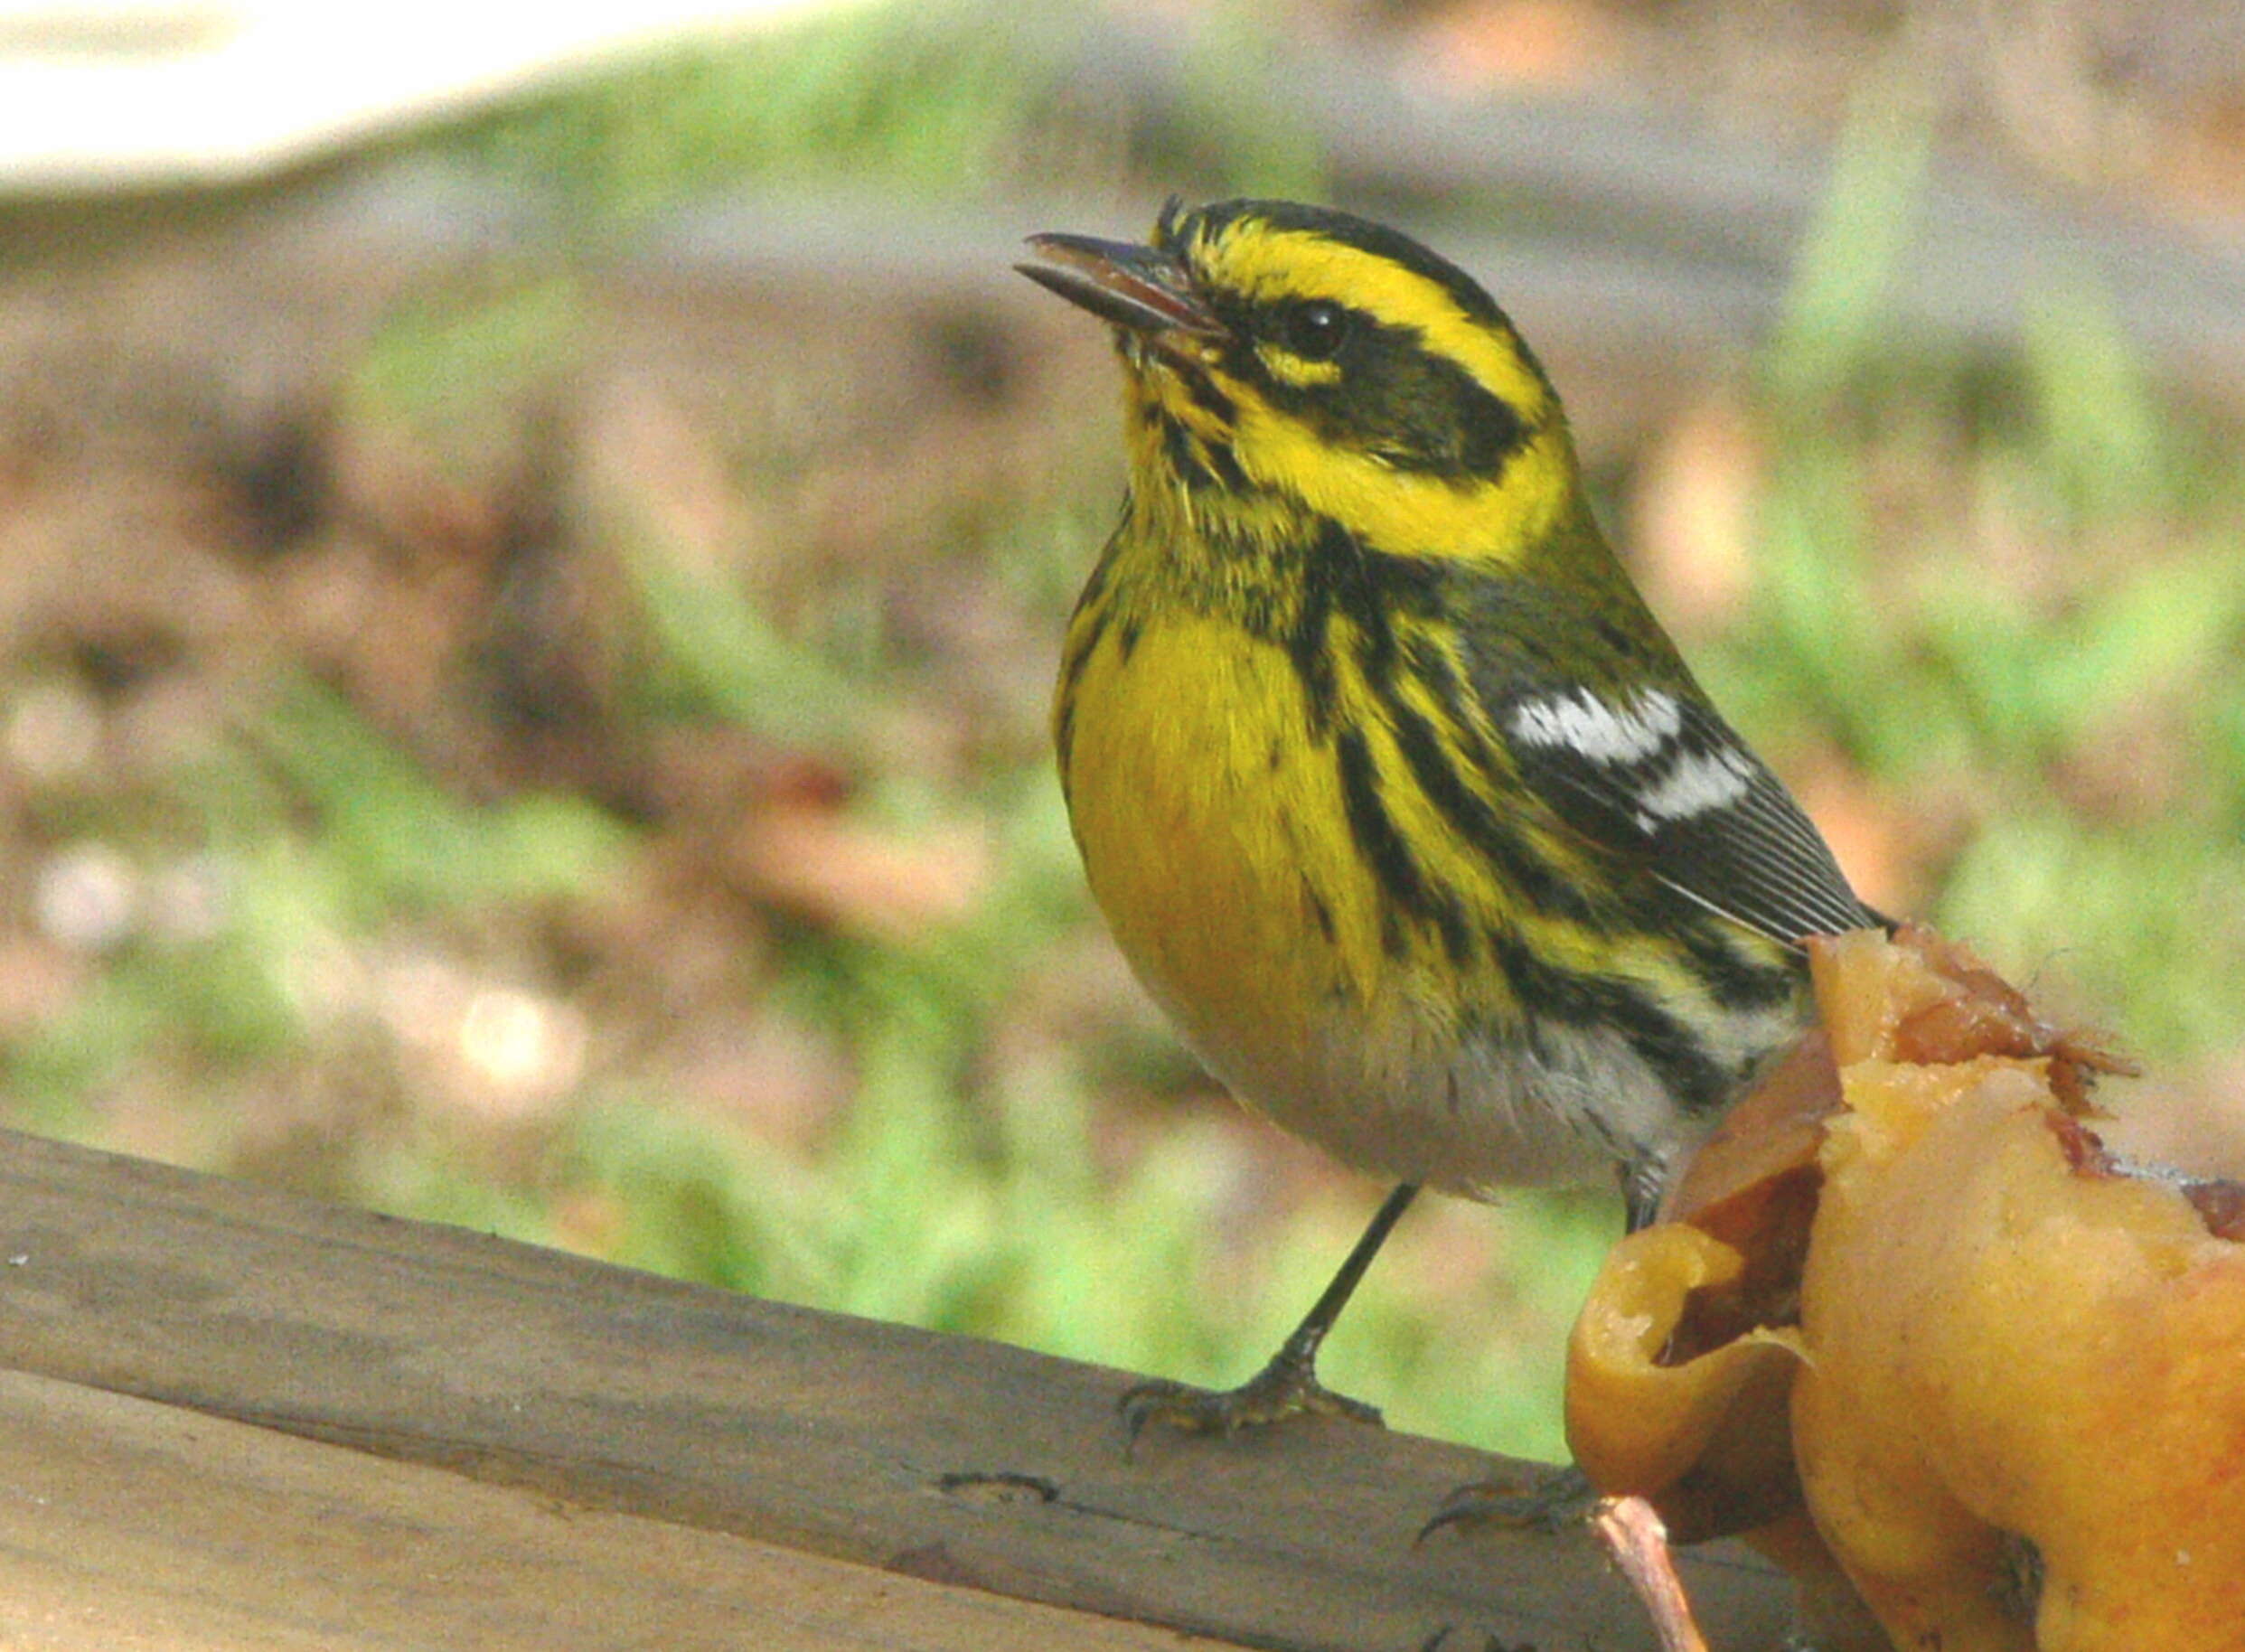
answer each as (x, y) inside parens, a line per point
(1691, 514)
(1533, 43)
(809, 859)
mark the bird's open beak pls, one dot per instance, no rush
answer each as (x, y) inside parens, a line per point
(1140, 288)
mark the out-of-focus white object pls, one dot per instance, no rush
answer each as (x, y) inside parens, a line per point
(119, 95)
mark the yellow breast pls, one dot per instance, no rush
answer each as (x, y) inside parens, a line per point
(1213, 833)
(1217, 838)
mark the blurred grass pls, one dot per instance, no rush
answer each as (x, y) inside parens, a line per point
(899, 97)
(700, 897)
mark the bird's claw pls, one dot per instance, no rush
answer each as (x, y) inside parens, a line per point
(1553, 1500)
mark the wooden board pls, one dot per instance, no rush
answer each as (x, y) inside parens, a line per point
(126, 1524)
(966, 1464)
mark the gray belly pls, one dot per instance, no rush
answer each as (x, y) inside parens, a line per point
(1472, 1116)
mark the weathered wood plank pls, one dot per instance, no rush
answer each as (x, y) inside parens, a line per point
(964, 1462)
(125, 1523)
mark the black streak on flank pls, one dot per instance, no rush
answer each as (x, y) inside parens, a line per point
(1511, 857)
(1309, 646)
(1380, 589)
(1390, 859)
(1658, 1039)
(1367, 588)
(1736, 982)
(1440, 771)
(1332, 576)
(1072, 664)
(1064, 743)
(1374, 613)
(1085, 632)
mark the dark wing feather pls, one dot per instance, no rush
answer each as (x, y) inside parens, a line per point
(1656, 774)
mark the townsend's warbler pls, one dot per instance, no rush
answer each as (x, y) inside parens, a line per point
(1397, 796)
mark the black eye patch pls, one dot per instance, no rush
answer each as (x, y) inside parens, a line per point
(1413, 408)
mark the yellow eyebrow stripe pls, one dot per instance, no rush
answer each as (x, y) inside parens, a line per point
(1270, 264)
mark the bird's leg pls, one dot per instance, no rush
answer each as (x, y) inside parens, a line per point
(1549, 1497)
(1643, 1182)
(1288, 1385)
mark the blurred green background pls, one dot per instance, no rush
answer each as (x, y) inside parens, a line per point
(524, 644)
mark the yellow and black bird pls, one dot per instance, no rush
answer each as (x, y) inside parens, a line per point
(1398, 798)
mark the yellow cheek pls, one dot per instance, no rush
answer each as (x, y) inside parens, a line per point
(1402, 511)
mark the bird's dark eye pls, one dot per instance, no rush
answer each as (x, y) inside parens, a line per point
(1314, 331)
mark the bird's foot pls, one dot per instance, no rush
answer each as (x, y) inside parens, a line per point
(1542, 1498)
(1282, 1389)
